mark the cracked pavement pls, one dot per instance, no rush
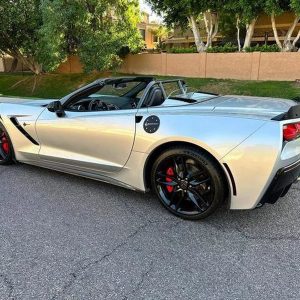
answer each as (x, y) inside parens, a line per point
(65, 237)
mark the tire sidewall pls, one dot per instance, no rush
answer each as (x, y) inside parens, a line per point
(207, 163)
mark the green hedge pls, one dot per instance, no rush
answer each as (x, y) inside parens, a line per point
(227, 48)
(182, 50)
(264, 48)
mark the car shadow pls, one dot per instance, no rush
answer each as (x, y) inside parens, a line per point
(270, 223)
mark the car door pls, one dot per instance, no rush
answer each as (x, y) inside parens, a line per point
(87, 140)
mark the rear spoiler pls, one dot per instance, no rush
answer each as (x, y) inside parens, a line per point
(292, 113)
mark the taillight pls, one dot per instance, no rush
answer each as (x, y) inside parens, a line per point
(291, 131)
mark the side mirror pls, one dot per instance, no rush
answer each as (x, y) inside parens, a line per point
(57, 108)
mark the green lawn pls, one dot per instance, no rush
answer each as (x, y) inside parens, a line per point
(58, 85)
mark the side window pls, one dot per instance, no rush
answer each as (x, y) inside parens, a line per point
(113, 96)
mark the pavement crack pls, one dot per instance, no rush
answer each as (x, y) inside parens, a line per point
(78, 273)
(267, 238)
(247, 236)
(9, 285)
(140, 283)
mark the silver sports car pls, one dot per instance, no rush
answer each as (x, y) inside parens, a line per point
(194, 150)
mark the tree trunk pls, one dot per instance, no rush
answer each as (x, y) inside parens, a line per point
(287, 44)
(198, 40)
(27, 61)
(14, 65)
(31, 64)
(238, 22)
(296, 39)
(249, 34)
(279, 44)
(211, 21)
(216, 26)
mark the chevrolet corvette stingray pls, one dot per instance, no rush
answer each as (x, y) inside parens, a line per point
(194, 150)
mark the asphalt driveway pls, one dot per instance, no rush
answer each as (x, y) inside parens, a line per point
(64, 237)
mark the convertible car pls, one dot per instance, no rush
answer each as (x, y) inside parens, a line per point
(194, 150)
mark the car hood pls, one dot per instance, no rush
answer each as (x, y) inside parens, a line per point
(26, 101)
(22, 108)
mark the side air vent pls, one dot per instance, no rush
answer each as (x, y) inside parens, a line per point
(23, 131)
(231, 178)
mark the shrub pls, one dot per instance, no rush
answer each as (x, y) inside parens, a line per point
(227, 48)
(263, 48)
(182, 50)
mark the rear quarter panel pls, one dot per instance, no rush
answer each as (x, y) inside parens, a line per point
(255, 162)
(218, 134)
(252, 148)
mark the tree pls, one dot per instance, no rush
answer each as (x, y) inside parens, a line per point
(249, 11)
(277, 7)
(93, 29)
(192, 13)
(232, 26)
(42, 33)
(232, 20)
(19, 31)
(162, 33)
(243, 13)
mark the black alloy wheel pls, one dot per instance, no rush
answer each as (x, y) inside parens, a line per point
(188, 182)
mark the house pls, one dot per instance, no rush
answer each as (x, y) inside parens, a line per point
(263, 32)
(263, 29)
(147, 30)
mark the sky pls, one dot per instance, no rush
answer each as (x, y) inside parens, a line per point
(145, 7)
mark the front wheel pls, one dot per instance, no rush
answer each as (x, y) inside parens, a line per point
(6, 149)
(188, 182)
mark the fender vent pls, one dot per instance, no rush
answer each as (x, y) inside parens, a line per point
(22, 130)
(231, 178)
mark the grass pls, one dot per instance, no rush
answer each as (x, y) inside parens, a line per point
(58, 85)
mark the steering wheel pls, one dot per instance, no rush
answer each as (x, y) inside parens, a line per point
(97, 104)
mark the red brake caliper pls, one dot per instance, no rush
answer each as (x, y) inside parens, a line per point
(5, 145)
(170, 172)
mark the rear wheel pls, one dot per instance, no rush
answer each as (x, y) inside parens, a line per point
(188, 182)
(6, 149)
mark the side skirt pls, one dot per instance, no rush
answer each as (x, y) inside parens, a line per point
(80, 173)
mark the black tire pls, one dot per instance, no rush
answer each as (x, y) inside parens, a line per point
(192, 187)
(6, 148)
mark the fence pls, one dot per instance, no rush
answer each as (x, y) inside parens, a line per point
(243, 66)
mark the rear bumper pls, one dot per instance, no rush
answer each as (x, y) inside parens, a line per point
(281, 183)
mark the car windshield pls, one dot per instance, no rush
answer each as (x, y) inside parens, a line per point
(119, 90)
